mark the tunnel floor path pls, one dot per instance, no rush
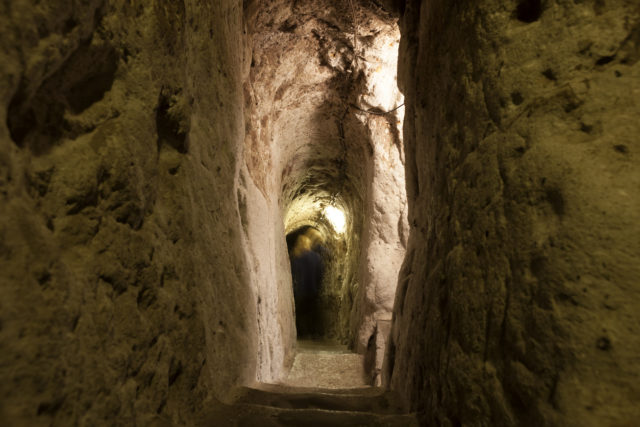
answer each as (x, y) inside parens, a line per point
(328, 365)
(325, 387)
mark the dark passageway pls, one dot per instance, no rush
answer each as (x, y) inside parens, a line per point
(439, 198)
(308, 257)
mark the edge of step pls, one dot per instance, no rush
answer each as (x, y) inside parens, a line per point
(266, 416)
(374, 400)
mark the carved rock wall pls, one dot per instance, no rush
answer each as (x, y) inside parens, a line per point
(125, 294)
(518, 299)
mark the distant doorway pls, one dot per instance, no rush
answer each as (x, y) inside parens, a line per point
(309, 257)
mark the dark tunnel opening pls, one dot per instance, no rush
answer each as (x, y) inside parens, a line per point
(309, 258)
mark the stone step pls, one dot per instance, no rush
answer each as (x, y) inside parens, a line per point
(353, 400)
(325, 387)
(366, 390)
(267, 416)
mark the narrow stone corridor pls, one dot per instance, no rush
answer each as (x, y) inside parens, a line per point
(319, 212)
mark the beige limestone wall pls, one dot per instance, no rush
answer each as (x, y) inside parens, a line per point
(385, 235)
(270, 278)
(385, 228)
(518, 299)
(124, 296)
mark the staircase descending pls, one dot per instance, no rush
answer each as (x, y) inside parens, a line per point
(325, 387)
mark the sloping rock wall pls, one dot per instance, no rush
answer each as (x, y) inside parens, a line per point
(385, 229)
(270, 278)
(124, 294)
(518, 299)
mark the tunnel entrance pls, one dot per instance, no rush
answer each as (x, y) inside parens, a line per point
(322, 251)
(309, 257)
(324, 132)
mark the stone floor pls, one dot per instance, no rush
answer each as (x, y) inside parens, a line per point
(326, 365)
(326, 387)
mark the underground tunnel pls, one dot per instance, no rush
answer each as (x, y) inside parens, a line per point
(330, 124)
(308, 257)
(459, 180)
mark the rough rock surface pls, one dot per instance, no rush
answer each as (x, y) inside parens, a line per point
(124, 295)
(270, 277)
(518, 299)
(151, 150)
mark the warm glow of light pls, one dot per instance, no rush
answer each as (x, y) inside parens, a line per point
(336, 218)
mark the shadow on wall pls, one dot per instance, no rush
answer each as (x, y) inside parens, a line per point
(308, 256)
